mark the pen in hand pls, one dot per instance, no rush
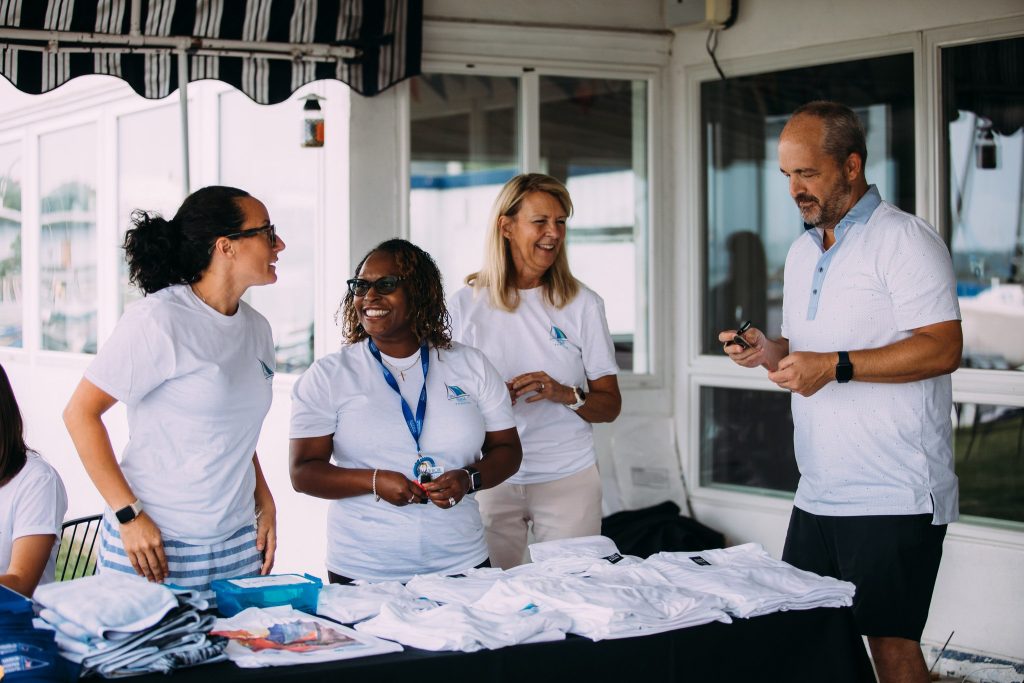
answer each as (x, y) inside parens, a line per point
(738, 337)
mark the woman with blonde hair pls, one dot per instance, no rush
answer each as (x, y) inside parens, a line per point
(547, 333)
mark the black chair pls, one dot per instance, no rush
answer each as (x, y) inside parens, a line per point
(76, 556)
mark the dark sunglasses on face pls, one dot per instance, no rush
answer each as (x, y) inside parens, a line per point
(269, 230)
(385, 285)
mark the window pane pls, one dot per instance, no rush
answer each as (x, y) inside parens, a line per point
(750, 219)
(284, 176)
(148, 174)
(67, 240)
(988, 443)
(463, 149)
(593, 136)
(983, 91)
(10, 245)
(747, 439)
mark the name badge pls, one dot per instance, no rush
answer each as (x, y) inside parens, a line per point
(425, 470)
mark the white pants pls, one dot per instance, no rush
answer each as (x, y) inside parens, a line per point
(563, 508)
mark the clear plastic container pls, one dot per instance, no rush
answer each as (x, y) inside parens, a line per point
(298, 590)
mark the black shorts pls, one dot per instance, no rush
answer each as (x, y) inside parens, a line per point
(891, 559)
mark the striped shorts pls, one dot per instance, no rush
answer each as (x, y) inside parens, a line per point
(191, 566)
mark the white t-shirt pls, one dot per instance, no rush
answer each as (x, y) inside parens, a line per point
(32, 503)
(571, 344)
(872, 448)
(197, 385)
(345, 394)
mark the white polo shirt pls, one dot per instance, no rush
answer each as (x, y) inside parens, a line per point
(870, 448)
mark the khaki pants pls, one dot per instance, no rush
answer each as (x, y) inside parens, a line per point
(564, 508)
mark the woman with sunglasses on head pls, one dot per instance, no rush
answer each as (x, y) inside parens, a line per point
(398, 417)
(188, 502)
(32, 504)
(547, 334)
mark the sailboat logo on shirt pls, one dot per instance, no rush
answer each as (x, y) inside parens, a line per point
(456, 393)
(557, 336)
(267, 372)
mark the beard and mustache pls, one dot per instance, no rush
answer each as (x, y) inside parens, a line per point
(827, 210)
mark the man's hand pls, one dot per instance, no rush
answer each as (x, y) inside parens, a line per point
(805, 372)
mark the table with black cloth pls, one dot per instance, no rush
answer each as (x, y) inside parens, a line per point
(808, 645)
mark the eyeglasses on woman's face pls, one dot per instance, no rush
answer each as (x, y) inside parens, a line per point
(384, 285)
(269, 230)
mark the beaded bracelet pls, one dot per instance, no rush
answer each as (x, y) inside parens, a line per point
(376, 497)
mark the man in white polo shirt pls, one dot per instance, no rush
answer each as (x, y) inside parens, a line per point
(870, 333)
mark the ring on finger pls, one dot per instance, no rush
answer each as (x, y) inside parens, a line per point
(412, 498)
(542, 386)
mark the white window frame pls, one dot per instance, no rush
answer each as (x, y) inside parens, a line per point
(702, 370)
(500, 50)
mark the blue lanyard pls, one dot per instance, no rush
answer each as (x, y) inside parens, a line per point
(415, 424)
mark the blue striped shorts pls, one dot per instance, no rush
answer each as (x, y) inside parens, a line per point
(191, 566)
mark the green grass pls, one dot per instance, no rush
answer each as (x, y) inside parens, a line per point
(992, 476)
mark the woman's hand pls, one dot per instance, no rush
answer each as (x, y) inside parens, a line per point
(447, 490)
(266, 519)
(145, 548)
(398, 490)
(542, 386)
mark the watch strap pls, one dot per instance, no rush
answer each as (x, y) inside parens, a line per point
(581, 398)
(475, 481)
(844, 368)
(129, 512)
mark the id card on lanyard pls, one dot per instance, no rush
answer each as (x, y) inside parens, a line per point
(424, 469)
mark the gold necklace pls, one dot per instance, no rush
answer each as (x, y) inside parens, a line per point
(401, 371)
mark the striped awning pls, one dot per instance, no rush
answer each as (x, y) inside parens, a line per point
(265, 48)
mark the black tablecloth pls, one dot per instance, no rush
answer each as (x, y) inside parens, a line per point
(812, 645)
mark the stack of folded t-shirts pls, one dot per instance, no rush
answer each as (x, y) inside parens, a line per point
(349, 603)
(28, 653)
(117, 625)
(750, 580)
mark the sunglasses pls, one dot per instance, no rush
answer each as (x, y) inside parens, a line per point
(269, 230)
(385, 285)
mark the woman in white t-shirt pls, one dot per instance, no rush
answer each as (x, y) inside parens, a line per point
(401, 416)
(547, 334)
(32, 504)
(188, 502)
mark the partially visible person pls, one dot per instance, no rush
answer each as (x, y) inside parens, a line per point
(547, 334)
(188, 502)
(401, 415)
(870, 334)
(32, 504)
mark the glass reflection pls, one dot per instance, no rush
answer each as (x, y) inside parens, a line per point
(67, 239)
(750, 219)
(148, 174)
(463, 137)
(593, 135)
(983, 87)
(988, 445)
(747, 439)
(285, 176)
(10, 246)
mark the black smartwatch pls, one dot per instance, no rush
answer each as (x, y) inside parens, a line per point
(129, 512)
(844, 368)
(475, 482)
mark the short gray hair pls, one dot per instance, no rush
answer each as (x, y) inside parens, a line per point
(844, 132)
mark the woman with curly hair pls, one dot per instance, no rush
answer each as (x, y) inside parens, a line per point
(188, 502)
(401, 415)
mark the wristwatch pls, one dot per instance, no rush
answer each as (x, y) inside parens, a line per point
(581, 398)
(844, 368)
(129, 512)
(475, 481)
